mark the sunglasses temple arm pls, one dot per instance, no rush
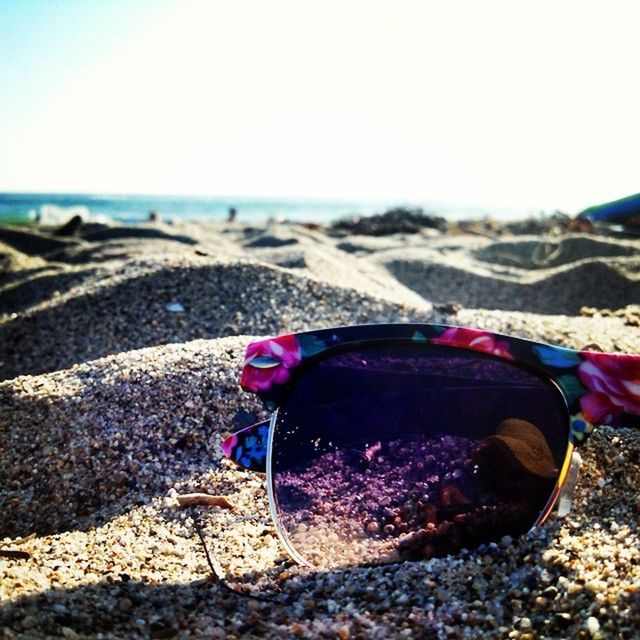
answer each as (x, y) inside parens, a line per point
(248, 447)
(610, 387)
(217, 575)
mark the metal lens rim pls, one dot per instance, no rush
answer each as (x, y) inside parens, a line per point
(282, 534)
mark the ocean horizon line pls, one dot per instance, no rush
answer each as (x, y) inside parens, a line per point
(23, 207)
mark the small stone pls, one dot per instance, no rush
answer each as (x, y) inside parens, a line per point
(309, 604)
(525, 623)
(174, 307)
(28, 622)
(593, 625)
(373, 527)
(545, 576)
(343, 632)
(125, 605)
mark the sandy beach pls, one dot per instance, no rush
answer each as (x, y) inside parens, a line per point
(120, 357)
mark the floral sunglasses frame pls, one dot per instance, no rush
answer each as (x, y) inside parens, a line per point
(598, 388)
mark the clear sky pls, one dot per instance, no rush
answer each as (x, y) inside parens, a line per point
(508, 103)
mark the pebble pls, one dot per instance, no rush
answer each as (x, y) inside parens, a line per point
(125, 605)
(28, 622)
(593, 626)
(343, 632)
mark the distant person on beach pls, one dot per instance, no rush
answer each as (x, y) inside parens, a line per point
(233, 214)
(154, 216)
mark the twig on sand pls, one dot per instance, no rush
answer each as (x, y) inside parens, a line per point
(14, 554)
(202, 499)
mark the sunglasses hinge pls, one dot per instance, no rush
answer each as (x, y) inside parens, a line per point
(566, 493)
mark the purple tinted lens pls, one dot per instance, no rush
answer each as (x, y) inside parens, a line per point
(397, 452)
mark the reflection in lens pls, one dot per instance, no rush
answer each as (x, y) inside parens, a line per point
(398, 452)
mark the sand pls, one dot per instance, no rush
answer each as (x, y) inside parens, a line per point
(120, 355)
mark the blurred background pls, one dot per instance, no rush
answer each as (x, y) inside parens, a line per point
(315, 110)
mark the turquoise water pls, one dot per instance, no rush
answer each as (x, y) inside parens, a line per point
(56, 208)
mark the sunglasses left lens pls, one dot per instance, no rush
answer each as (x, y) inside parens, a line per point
(396, 452)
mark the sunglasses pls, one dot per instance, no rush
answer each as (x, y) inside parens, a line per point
(407, 441)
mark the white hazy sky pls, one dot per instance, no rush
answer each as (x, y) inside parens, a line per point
(516, 104)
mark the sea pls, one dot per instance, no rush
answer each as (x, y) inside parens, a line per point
(51, 209)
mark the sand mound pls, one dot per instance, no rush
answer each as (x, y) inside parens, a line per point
(327, 264)
(34, 243)
(596, 282)
(271, 241)
(127, 426)
(14, 263)
(41, 287)
(120, 233)
(534, 253)
(604, 333)
(370, 244)
(128, 310)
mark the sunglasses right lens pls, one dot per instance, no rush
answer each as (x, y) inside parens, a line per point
(397, 452)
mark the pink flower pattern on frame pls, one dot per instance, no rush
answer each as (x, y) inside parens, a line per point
(474, 339)
(613, 383)
(285, 349)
